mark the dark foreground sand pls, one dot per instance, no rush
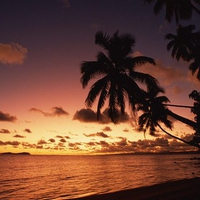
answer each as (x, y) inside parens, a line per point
(187, 189)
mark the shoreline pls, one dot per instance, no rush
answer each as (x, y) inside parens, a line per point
(185, 189)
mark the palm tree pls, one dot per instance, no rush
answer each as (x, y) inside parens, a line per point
(118, 78)
(154, 111)
(180, 9)
(186, 45)
(183, 43)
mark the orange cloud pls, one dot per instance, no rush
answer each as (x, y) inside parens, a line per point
(12, 143)
(52, 140)
(99, 134)
(12, 53)
(27, 130)
(19, 136)
(7, 117)
(41, 142)
(165, 75)
(107, 128)
(88, 115)
(5, 131)
(56, 111)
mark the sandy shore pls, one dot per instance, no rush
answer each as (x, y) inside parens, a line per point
(187, 189)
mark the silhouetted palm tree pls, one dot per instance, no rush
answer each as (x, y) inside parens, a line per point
(180, 9)
(183, 43)
(186, 45)
(118, 81)
(154, 111)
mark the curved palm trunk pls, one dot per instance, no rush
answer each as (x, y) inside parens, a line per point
(182, 119)
(182, 140)
(196, 9)
(181, 106)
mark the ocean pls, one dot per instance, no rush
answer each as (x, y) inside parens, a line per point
(66, 177)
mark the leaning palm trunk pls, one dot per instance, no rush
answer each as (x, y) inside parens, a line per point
(196, 9)
(182, 140)
(180, 106)
(182, 119)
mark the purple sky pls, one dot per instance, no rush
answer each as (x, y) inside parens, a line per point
(43, 42)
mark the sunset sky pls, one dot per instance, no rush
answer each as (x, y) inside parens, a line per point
(42, 44)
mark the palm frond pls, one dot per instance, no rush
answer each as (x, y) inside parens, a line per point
(96, 88)
(149, 80)
(102, 99)
(89, 70)
(120, 98)
(102, 39)
(141, 60)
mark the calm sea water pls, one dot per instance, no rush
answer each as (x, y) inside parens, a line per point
(68, 177)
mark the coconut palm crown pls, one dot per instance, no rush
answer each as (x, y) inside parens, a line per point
(118, 79)
(154, 111)
(186, 45)
(178, 9)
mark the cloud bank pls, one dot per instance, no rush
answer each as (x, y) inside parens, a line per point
(88, 115)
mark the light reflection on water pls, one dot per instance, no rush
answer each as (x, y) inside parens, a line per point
(67, 177)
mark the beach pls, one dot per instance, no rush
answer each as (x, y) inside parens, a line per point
(186, 189)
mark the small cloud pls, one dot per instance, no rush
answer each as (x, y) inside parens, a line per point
(62, 140)
(40, 111)
(5, 131)
(85, 115)
(41, 142)
(59, 136)
(126, 130)
(7, 117)
(74, 146)
(56, 111)
(12, 53)
(19, 136)
(61, 144)
(99, 134)
(27, 130)
(122, 142)
(103, 144)
(52, 140)
(107, 128)
(39, 147)
(28, 145)
(102, 134)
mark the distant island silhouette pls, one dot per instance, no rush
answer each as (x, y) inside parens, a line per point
(10, 153)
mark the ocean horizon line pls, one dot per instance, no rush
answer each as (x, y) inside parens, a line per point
(104, 154)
